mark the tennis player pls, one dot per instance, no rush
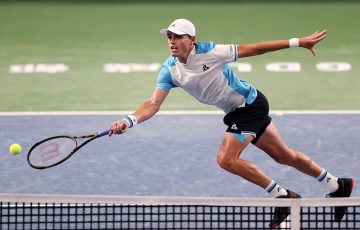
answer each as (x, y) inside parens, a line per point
(202, 70)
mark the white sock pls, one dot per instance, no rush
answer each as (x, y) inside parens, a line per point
(275, 190)
(328, 180)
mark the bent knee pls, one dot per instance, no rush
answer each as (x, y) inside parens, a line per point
(224, 161)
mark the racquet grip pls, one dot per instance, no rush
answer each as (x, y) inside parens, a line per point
(103, 133)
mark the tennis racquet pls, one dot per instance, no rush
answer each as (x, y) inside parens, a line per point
(55, 150)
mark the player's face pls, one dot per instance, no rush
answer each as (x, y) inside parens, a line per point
(180, 45)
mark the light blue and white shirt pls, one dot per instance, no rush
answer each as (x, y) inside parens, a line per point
(208, 77)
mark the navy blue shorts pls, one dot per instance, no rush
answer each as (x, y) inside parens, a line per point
(252, 119)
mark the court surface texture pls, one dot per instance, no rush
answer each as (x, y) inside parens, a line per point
(173, 155)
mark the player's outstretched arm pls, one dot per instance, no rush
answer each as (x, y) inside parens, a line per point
(148, 109)
(309, 42)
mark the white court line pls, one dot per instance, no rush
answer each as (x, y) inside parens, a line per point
(172, 112)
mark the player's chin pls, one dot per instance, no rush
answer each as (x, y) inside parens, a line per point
(174, 53)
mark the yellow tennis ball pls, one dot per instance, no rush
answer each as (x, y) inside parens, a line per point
(15, 149)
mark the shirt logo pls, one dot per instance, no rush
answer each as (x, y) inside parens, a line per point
(234, 127)
(205, 67)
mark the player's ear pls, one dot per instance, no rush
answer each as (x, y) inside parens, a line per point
(193, 40)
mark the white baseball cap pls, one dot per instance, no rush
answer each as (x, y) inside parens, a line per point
(180, 26)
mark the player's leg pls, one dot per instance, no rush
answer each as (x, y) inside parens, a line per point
(248, 121)
(229, 159)
(251, 121)
(272, 143)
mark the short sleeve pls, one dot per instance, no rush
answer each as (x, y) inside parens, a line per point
(164, 79)
(226, 53)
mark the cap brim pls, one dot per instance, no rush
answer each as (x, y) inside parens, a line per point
(165, 31)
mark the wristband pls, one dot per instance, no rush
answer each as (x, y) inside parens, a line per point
(294, 42)
(131, 120)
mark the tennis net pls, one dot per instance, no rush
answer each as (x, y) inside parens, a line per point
(128, 212)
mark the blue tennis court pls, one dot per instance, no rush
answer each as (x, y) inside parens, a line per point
(172, 155)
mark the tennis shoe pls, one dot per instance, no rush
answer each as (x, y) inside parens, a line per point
(281, 213)
(345, 188)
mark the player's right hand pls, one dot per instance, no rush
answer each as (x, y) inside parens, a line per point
(118, 127)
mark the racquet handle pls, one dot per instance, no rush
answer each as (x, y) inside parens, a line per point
(103, 133)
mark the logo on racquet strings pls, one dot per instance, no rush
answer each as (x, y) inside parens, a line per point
(49, 152)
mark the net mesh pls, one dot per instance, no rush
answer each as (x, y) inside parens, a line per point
(164, 213)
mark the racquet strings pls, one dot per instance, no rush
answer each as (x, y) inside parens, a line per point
(52, 151)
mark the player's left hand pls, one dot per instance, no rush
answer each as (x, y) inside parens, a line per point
(309, 42)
